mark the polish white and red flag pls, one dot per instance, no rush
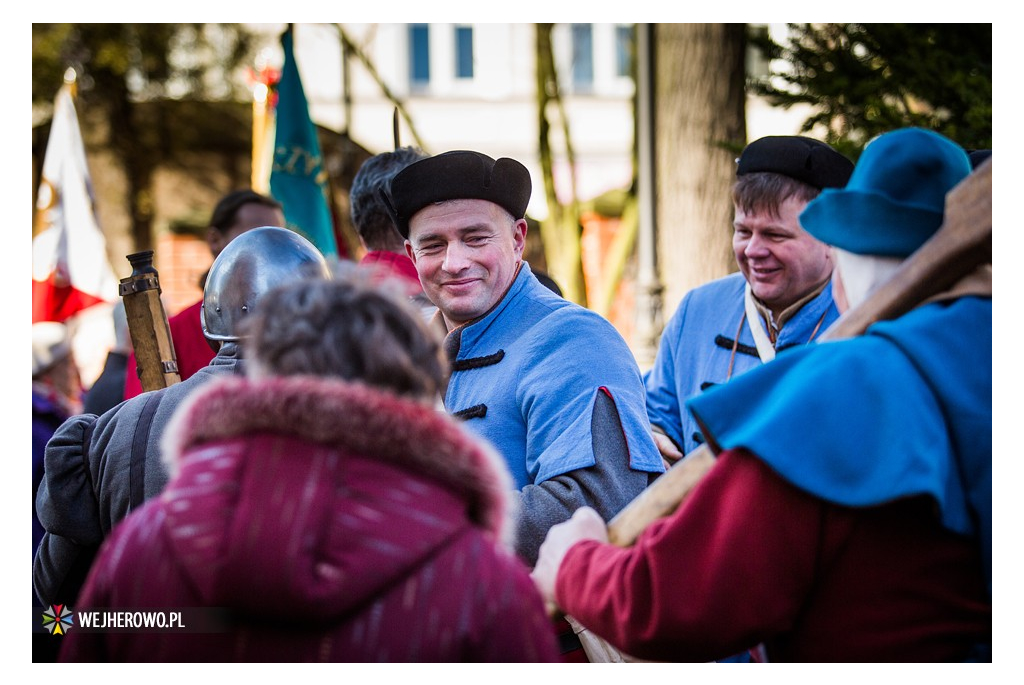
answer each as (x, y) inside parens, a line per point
(70, 270)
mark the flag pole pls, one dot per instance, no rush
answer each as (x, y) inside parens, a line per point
(70, 268)
(394, 129)
(260, 127)
(298, 177)
(71, 80)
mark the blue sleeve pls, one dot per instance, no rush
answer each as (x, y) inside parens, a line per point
(557, 392)
(664, 407)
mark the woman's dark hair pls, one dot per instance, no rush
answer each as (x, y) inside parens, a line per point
(349, 328)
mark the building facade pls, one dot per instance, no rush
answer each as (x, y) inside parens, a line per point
(473, 86)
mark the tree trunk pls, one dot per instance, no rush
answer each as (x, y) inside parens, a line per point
(700, 125)
(136, 158)
(561, 230)
(354, 49)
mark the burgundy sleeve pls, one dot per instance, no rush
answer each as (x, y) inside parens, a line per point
(518, 628)
(728, 569)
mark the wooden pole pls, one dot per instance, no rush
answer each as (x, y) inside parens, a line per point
(147, 322)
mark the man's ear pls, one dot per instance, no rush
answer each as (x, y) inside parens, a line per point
(215, 240)
(409, 251)
(519, 236)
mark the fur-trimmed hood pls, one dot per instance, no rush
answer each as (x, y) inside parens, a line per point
(303, 497)
(355, 418)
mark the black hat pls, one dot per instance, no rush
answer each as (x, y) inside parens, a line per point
(457, 175)
(804, 159)
(978, 156)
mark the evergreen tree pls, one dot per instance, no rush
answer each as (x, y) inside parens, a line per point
(866, 79)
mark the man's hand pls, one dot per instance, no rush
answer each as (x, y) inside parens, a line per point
(585, 524)
(670, 454)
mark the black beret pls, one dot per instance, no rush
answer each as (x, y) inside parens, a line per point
(978, 156)
(804, 159)
(457, 175)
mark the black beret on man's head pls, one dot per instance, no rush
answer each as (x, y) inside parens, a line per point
(804, 159)
(457, 175)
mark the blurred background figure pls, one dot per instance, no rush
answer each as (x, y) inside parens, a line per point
(237, 212)
(548, 282)
(100, 468)
(108, 390)
(56, 395)
(375, 522)
(978, 156)
(385, 246)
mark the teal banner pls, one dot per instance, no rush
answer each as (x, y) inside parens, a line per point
(298, 179)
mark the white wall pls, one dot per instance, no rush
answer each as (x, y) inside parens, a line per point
(494, 112)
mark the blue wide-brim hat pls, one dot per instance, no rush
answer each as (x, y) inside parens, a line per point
(895, 199)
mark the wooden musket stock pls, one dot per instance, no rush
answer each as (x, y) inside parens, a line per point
(147, 322)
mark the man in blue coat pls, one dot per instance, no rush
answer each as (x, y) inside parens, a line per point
(848, 516)
(912, 413)
(551, 384)
(781, 296)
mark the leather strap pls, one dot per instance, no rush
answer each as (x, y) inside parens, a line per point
(137, 466)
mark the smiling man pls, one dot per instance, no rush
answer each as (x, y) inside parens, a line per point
(467, 253)
(823, 548)
(551, 384)
(781, 297)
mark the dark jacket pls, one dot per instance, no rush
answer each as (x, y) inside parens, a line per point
(48, 413)
(108, 390)
(87, 486)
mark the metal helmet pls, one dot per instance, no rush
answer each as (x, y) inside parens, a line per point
(252, 264)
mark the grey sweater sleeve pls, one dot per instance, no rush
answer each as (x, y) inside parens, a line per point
(67, 508)
(83, 494)
(86, 483)
(607, 486)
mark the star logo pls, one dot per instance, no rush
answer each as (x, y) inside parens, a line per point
(58, 619)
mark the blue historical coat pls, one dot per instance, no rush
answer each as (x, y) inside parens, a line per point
(526, 377)
(704, 338)
(903, 410)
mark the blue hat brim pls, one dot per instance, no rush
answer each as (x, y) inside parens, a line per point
(868, 223)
